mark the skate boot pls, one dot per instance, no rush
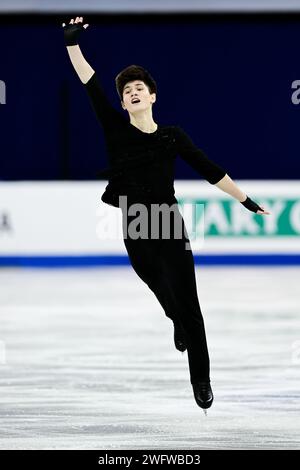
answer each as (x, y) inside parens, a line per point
(203, 394)
(179, 337)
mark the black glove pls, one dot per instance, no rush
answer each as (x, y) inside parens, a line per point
(251, 205)
(72, 32)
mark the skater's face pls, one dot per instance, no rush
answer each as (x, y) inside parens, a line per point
(137, 89)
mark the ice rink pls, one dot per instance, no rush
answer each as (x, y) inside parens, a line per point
(88, 361)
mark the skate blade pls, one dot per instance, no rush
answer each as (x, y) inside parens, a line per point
(205, 411)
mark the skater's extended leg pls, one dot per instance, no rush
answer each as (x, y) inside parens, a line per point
(145, 259)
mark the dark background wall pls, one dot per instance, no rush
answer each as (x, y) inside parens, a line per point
(226, 79)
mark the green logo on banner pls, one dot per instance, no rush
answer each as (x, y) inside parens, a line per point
(230, 218)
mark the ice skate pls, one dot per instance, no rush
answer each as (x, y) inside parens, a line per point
(203, 394)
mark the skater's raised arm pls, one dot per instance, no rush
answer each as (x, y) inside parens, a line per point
(72, 32)
(106, 114)
(212, 172)
(81, 66)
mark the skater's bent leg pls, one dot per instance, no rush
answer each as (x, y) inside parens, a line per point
(145, 260)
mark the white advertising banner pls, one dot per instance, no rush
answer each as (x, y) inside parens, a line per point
(69, 219)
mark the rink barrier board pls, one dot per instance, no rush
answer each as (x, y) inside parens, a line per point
(106, 260)
(59, 224)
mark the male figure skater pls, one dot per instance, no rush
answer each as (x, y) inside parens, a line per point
(141, 169)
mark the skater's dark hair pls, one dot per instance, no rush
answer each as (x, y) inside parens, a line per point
(131, 73)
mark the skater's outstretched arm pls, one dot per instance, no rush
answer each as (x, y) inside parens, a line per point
(106, 114)
(229, 186)
(211, 171)
(198, 160)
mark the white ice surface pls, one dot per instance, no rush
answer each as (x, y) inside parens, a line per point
(88, 361)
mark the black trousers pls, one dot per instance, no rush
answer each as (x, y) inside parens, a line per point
(166, 265)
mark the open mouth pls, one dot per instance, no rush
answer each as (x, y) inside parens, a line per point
(135, 101)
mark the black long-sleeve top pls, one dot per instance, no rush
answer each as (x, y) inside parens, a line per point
(141, 165)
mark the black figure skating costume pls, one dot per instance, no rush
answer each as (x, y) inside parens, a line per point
(141, 167)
